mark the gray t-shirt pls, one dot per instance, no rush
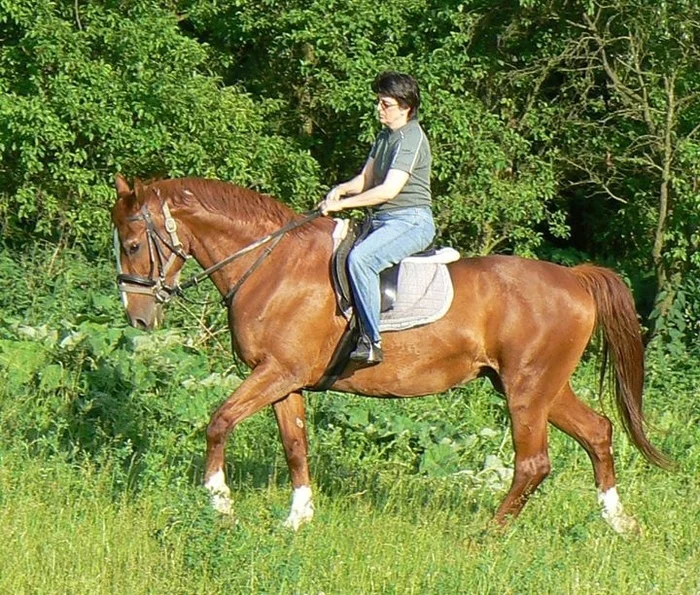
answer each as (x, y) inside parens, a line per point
(406, 149)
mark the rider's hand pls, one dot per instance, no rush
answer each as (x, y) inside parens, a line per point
(330, 206)
(332, 203)
(334, 194)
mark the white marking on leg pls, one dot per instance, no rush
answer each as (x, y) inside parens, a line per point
(302, 508)
(220, 492)
(613, 513)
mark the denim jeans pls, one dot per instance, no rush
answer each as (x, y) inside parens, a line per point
(394, 235)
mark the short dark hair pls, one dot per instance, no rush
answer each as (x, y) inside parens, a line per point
(400, 86)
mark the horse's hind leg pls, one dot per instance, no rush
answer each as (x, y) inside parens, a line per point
(529, 429)
(594, 432)
(530, 396)
(291, 419)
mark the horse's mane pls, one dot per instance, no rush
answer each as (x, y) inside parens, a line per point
(225, 199)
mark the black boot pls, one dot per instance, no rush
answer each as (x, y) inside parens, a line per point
(367, 352)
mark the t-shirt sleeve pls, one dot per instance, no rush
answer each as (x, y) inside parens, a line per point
(373, 150)
(408, 150)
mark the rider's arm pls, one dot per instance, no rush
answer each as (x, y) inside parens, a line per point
(356, 185)
(394, 181)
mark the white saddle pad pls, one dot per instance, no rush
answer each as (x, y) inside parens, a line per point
(424, 293)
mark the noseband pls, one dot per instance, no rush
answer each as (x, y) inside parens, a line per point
(157, 286)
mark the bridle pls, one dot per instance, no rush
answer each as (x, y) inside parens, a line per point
(152, 285)
(157, 287)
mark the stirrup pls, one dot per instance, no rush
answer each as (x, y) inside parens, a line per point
(367, 352)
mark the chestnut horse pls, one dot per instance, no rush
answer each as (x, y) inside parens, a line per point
(523, 323)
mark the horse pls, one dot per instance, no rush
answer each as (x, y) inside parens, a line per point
(522, 323)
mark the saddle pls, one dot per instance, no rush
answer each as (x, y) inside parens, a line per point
(348, 233)
(416, 291)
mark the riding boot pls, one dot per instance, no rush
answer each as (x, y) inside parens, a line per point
(367, 351)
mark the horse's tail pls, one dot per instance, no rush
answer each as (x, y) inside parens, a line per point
(622, 340)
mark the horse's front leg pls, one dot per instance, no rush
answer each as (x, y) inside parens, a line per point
(291, 419)
(267, 384)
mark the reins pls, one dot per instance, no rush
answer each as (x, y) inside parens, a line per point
(206, 273)
(163, 292)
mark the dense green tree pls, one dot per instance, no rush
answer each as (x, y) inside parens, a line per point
(91, 90)
(493, 190)
(622, 80)
(567, 130)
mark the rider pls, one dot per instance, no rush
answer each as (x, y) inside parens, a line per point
(395, 180)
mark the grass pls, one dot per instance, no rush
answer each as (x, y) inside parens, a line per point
(69, 529)
(101, 444)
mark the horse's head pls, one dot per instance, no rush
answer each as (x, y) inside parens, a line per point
(148, 251)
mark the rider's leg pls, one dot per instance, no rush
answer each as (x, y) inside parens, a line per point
(394, 235)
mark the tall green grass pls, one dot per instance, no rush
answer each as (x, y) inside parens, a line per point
(101, 457)
(65, 530)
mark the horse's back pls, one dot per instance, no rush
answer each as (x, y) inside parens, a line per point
(522, 305)
(516, 282)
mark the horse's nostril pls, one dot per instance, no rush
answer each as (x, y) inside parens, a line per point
(138, 323)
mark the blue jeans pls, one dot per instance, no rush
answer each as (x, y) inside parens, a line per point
(394, 235)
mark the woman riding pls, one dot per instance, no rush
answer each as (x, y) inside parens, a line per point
(395, 183)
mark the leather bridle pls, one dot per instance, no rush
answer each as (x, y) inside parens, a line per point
(157, 242)
(157, 287)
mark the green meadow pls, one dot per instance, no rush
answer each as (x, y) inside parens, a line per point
(101, 460)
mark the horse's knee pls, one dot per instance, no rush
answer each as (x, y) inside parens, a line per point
(218, 429)
(296, 452)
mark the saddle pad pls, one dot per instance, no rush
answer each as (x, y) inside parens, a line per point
(424, 289)
(424, 295)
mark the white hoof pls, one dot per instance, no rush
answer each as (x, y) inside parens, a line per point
(622, 523)
(614, 515)
(302, 510)
(220, 493)
(222, 503)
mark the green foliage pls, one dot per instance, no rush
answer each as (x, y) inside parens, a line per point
(545, 138)
(108, 90)
(494, 190)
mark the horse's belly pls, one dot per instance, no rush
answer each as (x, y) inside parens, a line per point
(409, 378)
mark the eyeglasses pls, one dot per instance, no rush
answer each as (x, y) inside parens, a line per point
(385, 104)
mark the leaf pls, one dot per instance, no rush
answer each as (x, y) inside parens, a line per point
(51, 378)
(439, 460)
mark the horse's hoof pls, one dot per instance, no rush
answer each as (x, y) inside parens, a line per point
(222, 503)
(302, 509)
(623, 524)
(298, 518)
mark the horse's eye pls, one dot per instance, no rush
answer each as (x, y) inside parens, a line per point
(132, 248)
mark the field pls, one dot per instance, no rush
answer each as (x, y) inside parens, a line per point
(101, 456)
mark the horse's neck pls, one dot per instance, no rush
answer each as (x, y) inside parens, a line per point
(215, 237)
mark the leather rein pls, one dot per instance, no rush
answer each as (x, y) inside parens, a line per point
(158, 287)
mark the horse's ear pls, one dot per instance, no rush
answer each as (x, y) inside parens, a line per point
(138, 187)
(139, 190)
(122, 186)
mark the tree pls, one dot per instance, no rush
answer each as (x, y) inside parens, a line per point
(493, 190)
(88, 91)
(641, 59)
